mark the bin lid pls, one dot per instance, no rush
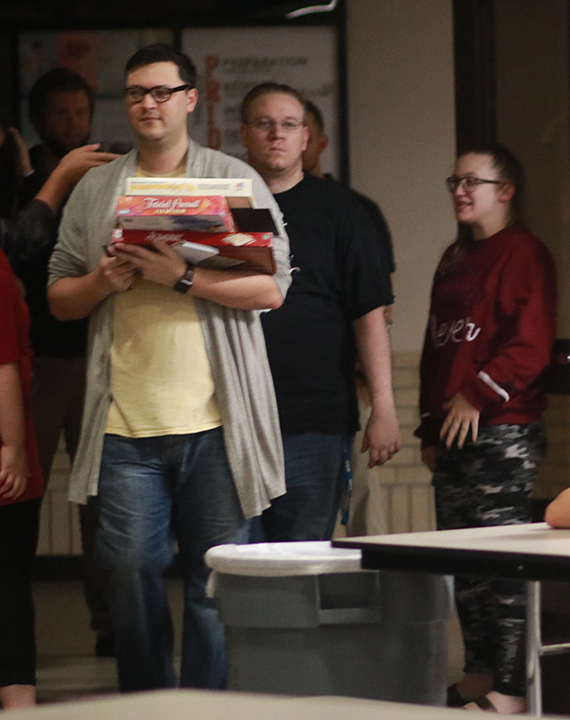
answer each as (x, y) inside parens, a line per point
(283, 558)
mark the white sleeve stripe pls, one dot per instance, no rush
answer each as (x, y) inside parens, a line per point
(493, 385)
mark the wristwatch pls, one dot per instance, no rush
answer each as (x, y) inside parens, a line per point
(186, 281)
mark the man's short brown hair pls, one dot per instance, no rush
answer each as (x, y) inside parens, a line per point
(314, 110)
(160, 52)
(268, 88)
(56, 80)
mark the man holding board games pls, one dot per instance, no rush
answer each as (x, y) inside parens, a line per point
(180, 437)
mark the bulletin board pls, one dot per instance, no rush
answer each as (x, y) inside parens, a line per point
(306, 53)
(230, 61)
(100, 56)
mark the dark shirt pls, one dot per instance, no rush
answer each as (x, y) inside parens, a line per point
(339, 275)
(27, 232)
(382, 229)
(49, 337)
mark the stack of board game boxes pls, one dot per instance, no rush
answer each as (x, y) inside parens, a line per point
(210, 221)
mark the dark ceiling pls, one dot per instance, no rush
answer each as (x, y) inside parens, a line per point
(71, 12)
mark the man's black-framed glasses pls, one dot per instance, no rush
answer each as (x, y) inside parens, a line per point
(468, 182)
(160, 93)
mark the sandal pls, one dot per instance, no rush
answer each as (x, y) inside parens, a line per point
(486, 704)
(482, 703)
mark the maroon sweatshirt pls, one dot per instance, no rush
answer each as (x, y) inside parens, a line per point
(490, 332)
(15, 348)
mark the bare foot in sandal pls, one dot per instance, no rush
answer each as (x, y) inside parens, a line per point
(496, 702)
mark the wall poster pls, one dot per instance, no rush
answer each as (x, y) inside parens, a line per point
(230, 61)
(100, 56)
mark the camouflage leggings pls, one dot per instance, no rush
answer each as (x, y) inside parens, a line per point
(489, 483)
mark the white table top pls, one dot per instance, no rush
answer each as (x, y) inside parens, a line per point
(203, 705)
(532, 551)
(533, 538)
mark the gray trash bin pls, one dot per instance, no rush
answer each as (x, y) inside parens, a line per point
(304, 619)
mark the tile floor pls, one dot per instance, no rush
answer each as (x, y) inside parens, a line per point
(67, 667)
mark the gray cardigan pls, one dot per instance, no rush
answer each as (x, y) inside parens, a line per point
(234, 338)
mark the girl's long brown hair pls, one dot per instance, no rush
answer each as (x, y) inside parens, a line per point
(511, 172)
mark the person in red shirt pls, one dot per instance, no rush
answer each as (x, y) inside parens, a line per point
(21, 489)
(490, 333)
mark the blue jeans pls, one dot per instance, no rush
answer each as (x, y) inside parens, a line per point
(315, 474)
(153, 491)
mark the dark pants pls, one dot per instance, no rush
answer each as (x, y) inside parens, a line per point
(489, 483)
(315, 474)
(19, 524)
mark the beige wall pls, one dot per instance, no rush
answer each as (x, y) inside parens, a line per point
(533, 83)
(532, 80)
(402, 137)
(402, 146)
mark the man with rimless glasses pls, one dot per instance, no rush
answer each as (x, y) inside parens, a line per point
(334, 311)
(180, 437)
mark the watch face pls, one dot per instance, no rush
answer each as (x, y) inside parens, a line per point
(182, 287)
(185, 282)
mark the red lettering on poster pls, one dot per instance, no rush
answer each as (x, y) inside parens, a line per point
(214, 138)
(212, 62)
(212, 91)
(212, 98)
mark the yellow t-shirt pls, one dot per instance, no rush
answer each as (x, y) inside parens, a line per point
(161, 380)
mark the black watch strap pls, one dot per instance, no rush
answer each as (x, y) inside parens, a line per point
(186, 281)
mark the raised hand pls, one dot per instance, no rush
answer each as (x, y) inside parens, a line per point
(25, 161)
(73, 166)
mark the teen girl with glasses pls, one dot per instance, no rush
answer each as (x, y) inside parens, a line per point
(489, 337)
